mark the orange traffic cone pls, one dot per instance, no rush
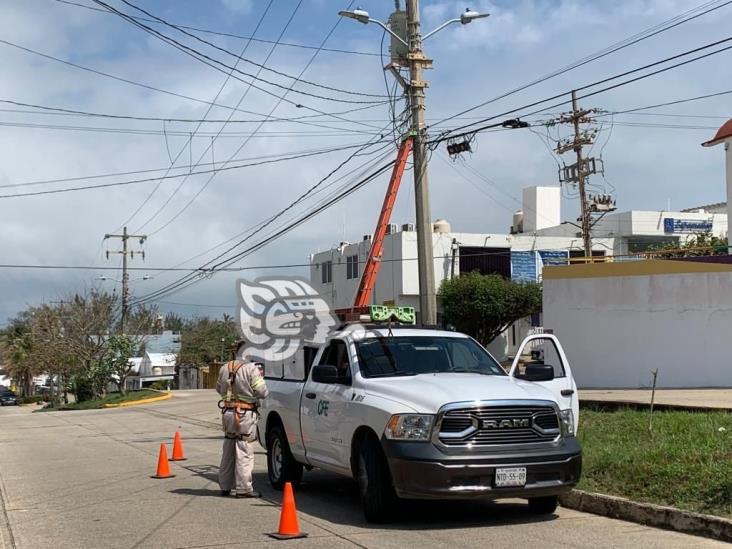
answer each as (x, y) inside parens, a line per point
(177, 449)
(289, 527)
(163, 466)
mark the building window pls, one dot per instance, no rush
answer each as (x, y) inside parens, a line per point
(352, 266)
(326, 272)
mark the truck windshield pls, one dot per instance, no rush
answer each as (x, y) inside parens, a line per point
(414, 355)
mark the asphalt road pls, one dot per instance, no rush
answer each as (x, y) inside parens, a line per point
(82, 479)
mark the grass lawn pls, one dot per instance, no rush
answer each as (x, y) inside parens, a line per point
(111, 398)
(686, 462)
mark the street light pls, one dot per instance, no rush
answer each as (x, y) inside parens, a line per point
(415, 59)
(105, 278)
(362, 16)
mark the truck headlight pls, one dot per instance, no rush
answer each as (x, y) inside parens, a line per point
(566, 423)
(409, 427)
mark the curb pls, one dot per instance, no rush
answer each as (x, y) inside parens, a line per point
(649, 514)
(164, 396)
(620, 404)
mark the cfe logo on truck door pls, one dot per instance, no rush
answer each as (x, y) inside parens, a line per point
(278, 315)
(323, 407)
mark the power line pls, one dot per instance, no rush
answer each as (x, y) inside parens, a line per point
(230, 35)
(337, 115)
(241, 99)
(335, 132)
(180, 282)
(648, 33)
(146, 180)
(274, 108)
(226, 269)
(187, 281)
(217, 65)
(450, 134)
(60, 110)
(239, 57)
(180, 167)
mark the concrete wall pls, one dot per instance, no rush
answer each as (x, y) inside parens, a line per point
(618, 321)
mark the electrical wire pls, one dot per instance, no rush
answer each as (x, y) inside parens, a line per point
(337, 115)
(274, 108)
(228, 34)
(632, 40)
(149, 179)
(180, 167)
(335, 132)
(209, 271)
(204, 120)
(240, 58)
(450, 133)
(217, 65)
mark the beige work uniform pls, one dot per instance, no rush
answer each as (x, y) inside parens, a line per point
(239, 424)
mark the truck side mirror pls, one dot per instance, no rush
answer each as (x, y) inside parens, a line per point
(325, 373)
(538, 372)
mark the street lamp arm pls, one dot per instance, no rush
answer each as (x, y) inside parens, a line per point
(387, 29)
(438, 29)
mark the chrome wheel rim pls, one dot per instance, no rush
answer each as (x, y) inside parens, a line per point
(275, 458)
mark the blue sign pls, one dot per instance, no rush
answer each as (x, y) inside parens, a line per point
(671, 225)
(523, 266)
(553, 257)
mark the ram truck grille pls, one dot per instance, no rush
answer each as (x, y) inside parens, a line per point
(499, 425)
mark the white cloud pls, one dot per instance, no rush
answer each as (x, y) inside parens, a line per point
(242, 7)
(474, 63)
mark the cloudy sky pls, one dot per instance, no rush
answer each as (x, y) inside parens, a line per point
(185, 218)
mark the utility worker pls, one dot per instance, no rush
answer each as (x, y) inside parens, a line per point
(240, 385)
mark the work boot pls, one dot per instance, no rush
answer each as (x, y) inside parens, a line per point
(252, 494)
(225, 493)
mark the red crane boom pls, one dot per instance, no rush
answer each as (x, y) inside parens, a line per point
(373, 263)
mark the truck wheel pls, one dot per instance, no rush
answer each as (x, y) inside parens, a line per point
(374, 482)
(281, 466)
(543, 506)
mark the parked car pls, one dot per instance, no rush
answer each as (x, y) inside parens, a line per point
(8, 398)
(425, 414)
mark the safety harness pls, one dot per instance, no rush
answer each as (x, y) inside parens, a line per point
(232, 402)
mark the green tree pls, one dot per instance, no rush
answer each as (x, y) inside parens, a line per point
(701, 244)
(205, 340)
(173, 322)
(120, 350)
(483, 306)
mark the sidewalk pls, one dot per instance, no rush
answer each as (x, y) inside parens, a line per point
(718, 399)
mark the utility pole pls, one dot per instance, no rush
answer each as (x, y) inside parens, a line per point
(579, 172)
(585, 219)
(425, 262)
(124, 252)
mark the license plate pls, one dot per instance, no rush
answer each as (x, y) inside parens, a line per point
(512, 476)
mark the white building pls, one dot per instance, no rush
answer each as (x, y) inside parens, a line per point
(536, 238)
(150, 368)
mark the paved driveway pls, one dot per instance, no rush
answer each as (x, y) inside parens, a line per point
(82, 479)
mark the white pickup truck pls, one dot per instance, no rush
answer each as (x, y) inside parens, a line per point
(423, 413)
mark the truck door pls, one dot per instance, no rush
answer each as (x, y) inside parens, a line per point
(546, 349)
(323, 410)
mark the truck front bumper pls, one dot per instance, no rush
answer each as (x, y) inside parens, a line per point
(421, 471)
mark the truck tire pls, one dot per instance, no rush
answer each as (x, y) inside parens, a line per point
(544, 505)
(281, 466)
(374, 482)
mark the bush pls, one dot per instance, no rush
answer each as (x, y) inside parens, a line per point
(30, 399)
(161, 385)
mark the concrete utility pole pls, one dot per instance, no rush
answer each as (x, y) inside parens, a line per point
(425, 263)
(124, 252)
(585, 219)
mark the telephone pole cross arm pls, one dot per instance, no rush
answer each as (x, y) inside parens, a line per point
(125, 252)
